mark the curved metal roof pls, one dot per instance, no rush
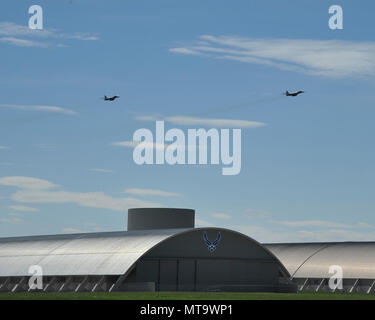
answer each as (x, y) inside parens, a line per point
(109, 253)
(312, 260)
(105, 253)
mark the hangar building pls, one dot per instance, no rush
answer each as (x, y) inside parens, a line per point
(161, 250)
(309, 264)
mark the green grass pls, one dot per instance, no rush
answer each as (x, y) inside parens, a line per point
(184, 296)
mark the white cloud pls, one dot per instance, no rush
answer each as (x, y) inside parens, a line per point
(81, 36)
(12, 32)
(256, 213)
(151, 192)
(13, 29)
(148, 118)
(87, 227)
(329, 58)
(94, 227)
(313, 223)
(128, 144)
(52, 109)
(26, 183)
(23, 42)
(206, 122)
(14, 214)
(150, 145)
(34, 190)
(12, 220)
(365, 225)
(221, 216)
(333, 235)
(203, 223)
(101, 170)
(185, 51)
(3, 147)
(227, 123)
(323, 224)
(146, 145)
(23, 208)
(263, 234)
(268, 234)
(269, 230)
(84, 199)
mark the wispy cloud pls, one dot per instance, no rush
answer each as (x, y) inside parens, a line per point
(334, 234)
(206, 122)
(45, 146)
(150, 145)
(101, 170)
(151, 192)
(3, 147)
(256, 213)
(34, 190)
(50, 109)
(328, 58)
(365, 225)
(224, 216)
(28, 183)
(13, 29)
(149, 118)
(267, 234)
(15, 34)
(228, 123)
(92, 226)
(84, 36)
(86, 227)
(268, 229)
(133, 144)
(15, 214)
(185, 51)
(313, 223)
(85, 199)
(12, 220)
(23, 208)
(23, 42)
(203, 223)
(322, 223)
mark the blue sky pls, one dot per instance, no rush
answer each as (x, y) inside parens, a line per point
(307, 175)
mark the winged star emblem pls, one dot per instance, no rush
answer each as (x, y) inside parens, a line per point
(211, 245)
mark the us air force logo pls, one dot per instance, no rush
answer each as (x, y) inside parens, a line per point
(212, 245)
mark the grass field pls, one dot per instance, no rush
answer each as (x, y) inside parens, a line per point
(184, 296)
